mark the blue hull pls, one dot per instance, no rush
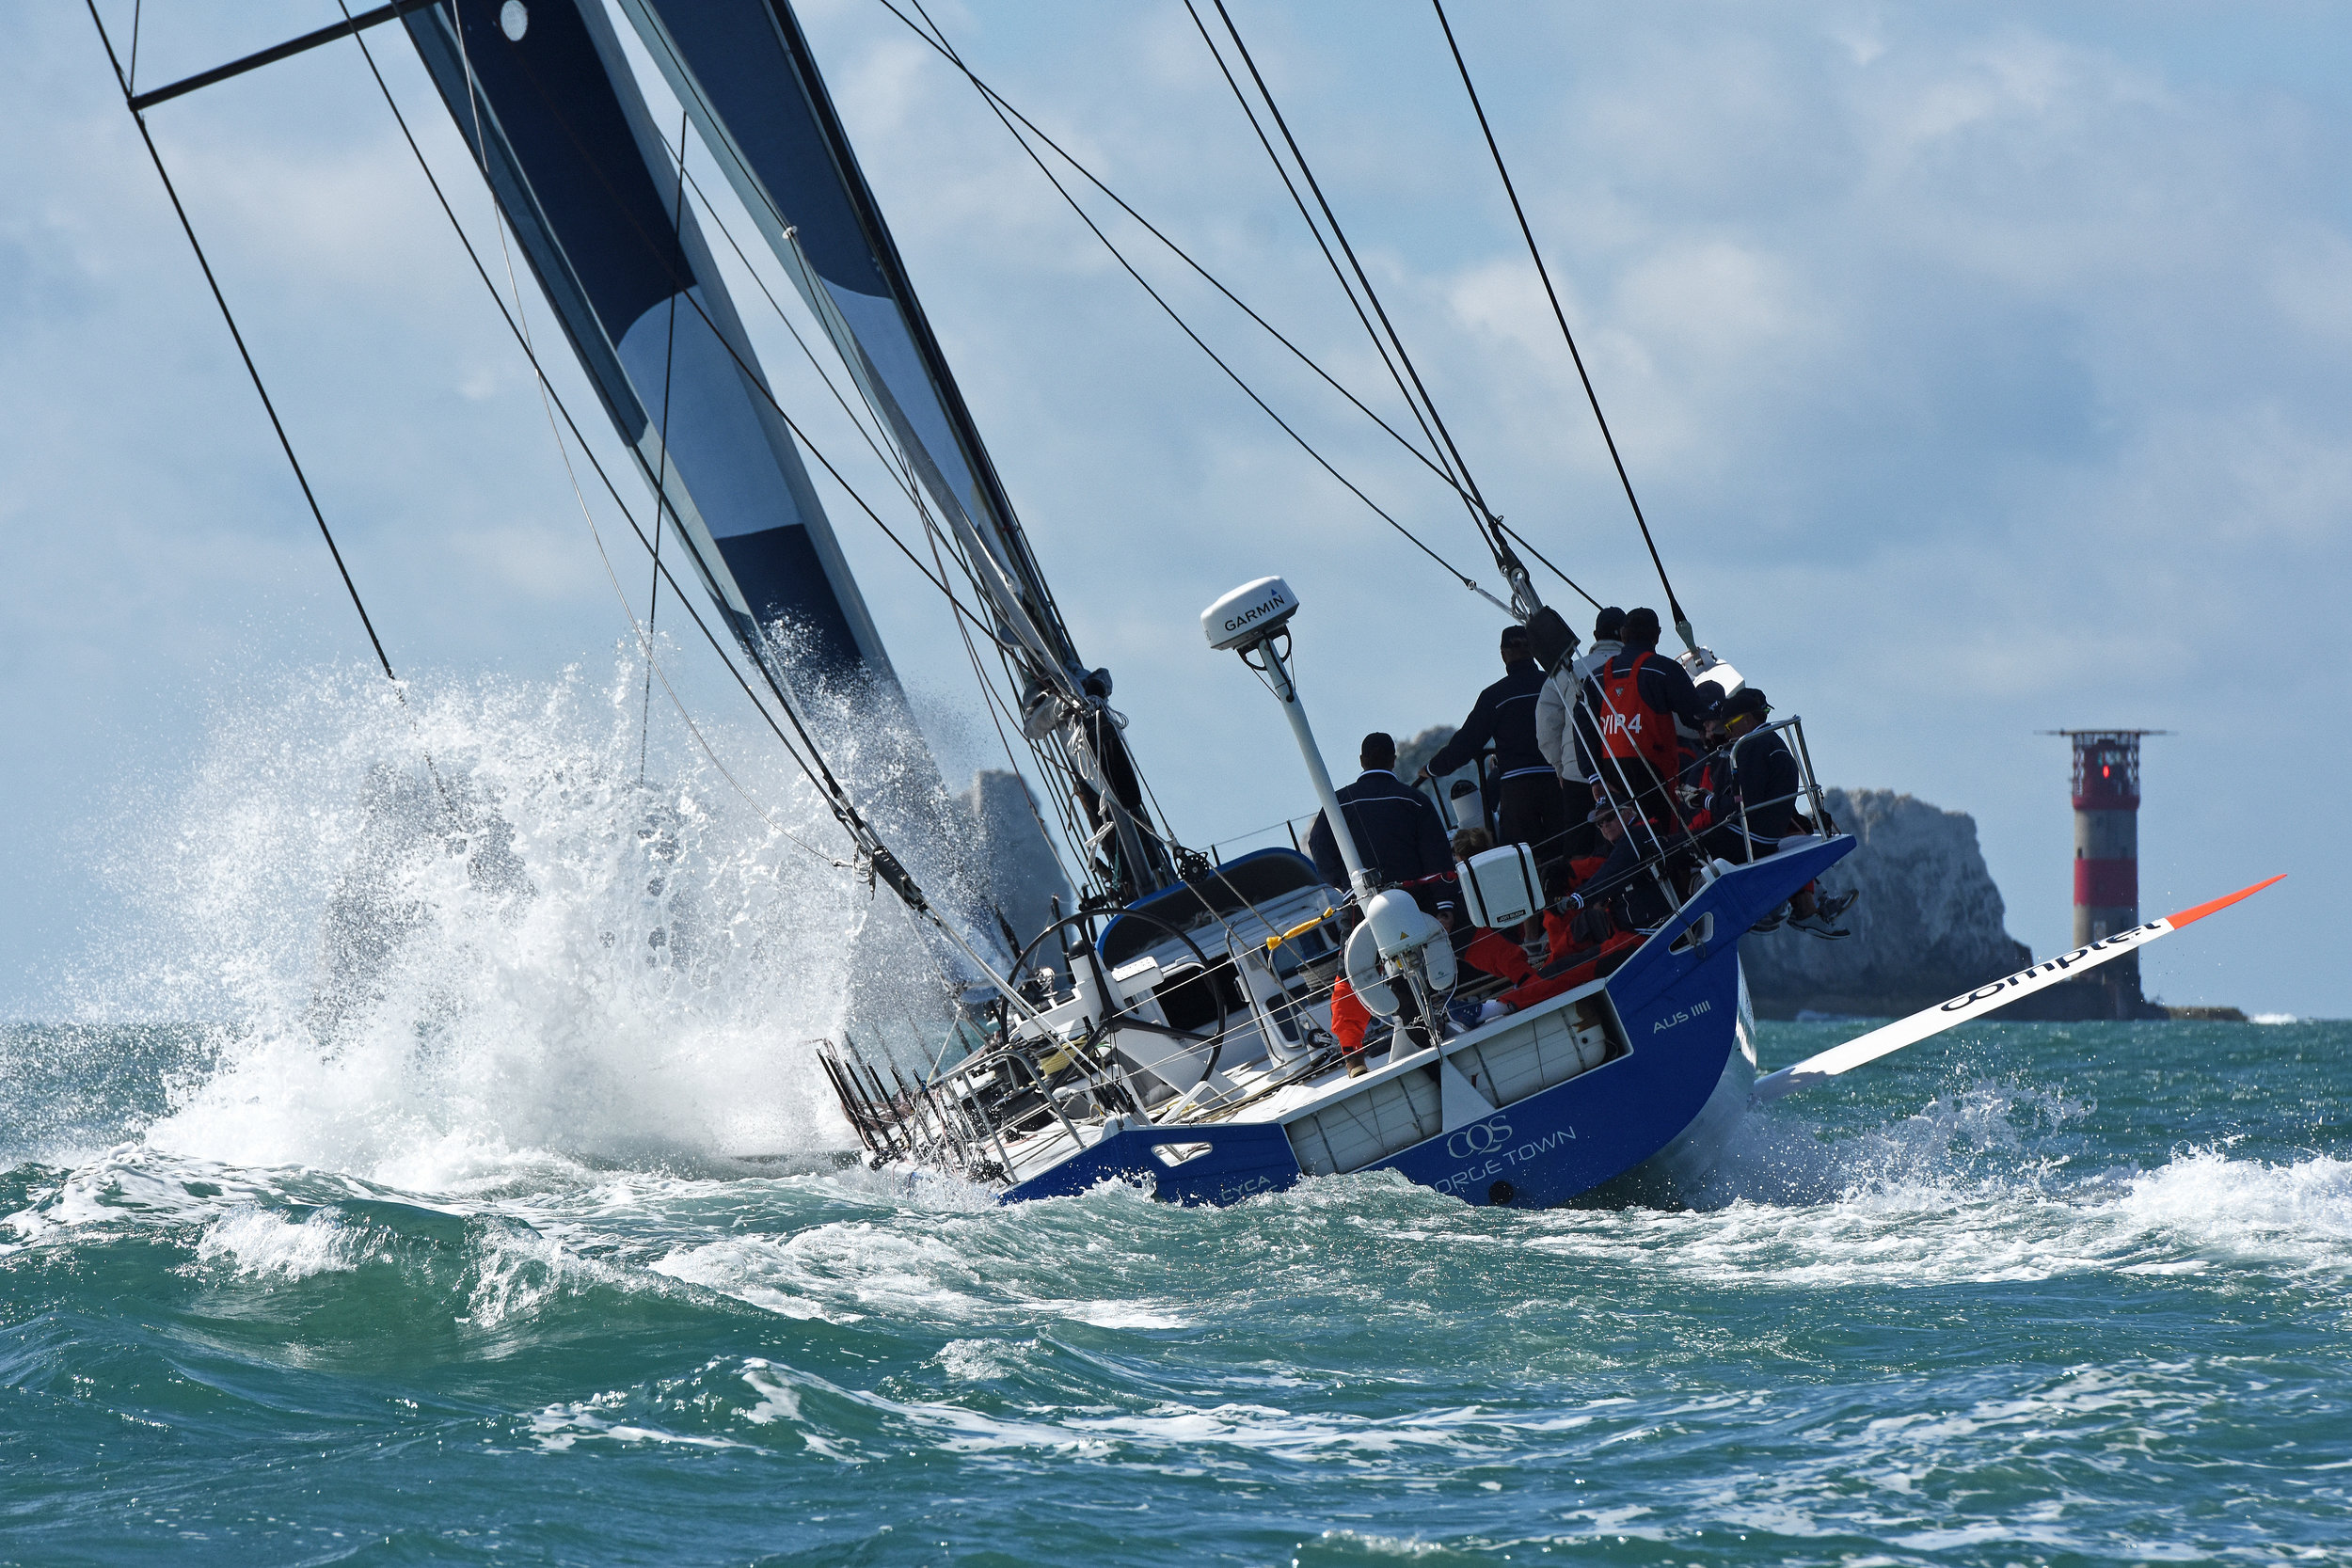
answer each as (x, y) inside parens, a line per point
(1678, 1006)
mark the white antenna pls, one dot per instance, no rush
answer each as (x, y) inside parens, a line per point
(1254, 619)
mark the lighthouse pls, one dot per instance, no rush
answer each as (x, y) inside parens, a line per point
(2106, 854)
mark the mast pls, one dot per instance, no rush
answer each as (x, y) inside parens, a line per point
(746, 75)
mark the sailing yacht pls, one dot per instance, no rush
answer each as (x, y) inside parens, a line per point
(1173, 1027)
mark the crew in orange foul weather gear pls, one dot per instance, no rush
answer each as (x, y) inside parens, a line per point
(1349, 1020)
(1632, 703)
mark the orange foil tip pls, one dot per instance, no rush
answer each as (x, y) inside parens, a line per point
(2199, 911)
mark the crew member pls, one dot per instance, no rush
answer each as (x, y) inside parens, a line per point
(1556, 737)
(1633, 701)
(1394, 826)
(1755, 806)
(1566, 744)
(1754, 781)
(1398, 835)
(1532, 809)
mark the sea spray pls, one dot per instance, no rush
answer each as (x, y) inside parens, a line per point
(428, 937)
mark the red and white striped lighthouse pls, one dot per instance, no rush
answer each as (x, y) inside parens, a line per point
(2106, 849)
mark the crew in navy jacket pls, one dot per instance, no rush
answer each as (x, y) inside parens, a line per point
(1530, 808)
(1395, 829)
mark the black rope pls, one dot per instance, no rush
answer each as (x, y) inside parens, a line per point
(1682, 622)
(284, 443)
(939, 45)
(1434, 465)
(1546, 563)
(1347, 290)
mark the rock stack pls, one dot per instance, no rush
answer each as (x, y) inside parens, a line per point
(1928, 924)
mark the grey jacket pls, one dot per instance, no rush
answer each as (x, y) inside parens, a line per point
(1558, 700)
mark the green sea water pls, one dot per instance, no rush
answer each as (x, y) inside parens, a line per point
(2031, 1293)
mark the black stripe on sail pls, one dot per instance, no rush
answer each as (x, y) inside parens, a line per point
(783, 580)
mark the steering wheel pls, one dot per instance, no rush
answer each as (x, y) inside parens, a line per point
(1123, 1017)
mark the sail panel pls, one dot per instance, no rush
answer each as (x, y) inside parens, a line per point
(744, 73)
(592, 195)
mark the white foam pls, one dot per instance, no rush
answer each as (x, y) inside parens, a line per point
(256, 1242)
(1967, 1190)
(970, 1270)
(445, 981)
(778, 1400)
(2226, 1210)
(559, 1427)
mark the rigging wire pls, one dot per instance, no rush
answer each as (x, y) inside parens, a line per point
(939, 45)
(1005, 106)
(268, 406)
(1682, 622)
(1388, 361)
(1234, 375)
(946, 52)
(1481, 513)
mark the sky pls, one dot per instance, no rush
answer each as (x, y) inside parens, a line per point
(1984, 369)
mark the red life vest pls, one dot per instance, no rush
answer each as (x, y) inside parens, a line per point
(1630, 727)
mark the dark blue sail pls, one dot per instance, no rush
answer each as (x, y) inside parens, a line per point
(542, 95)
(745, 75)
